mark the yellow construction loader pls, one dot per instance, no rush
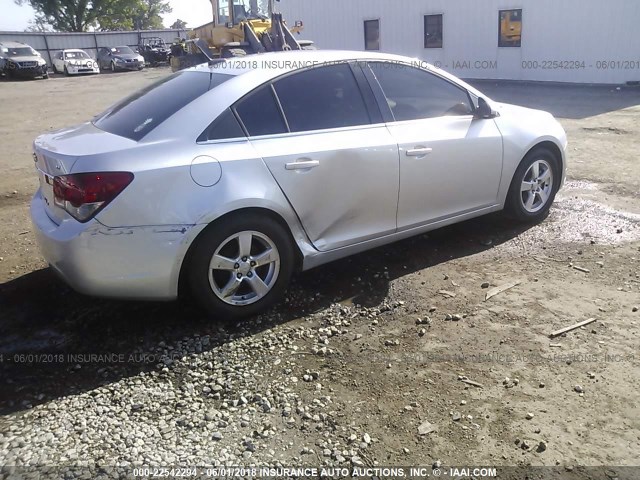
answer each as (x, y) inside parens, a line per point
(239, 28)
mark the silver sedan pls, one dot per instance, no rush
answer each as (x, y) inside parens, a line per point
(228, 177)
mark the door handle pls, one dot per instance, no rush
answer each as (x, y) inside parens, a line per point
(304, 165)
(419, 152)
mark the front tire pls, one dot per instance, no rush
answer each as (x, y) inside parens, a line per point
(534, 186)
(113, 67)
(66, 72)
(240, 265)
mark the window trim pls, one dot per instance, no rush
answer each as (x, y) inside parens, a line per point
(441, 15)
(381, 98)
(279, 104)
(500, 27)
(365, 21)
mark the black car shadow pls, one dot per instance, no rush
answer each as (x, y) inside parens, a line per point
(45, 326)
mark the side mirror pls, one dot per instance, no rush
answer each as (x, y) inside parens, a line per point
(484, 110)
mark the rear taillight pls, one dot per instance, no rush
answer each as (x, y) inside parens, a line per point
(82, 195)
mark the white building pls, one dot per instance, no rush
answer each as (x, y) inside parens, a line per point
(582, 41)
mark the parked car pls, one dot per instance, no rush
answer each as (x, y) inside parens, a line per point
(154, 50)
(74, 62)
(119, 58)
(20, 60)
(225, 180)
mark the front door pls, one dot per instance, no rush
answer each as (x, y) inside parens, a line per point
(450, 162)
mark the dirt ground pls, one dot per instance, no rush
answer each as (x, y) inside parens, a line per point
(416, 323)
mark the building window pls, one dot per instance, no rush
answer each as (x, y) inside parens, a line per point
(510, 28)
(372, 35)
(433, 31)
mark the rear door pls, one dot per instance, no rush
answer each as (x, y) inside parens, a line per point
(450, 162)
(325, 144)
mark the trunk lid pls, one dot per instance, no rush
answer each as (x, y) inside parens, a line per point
(57, 152)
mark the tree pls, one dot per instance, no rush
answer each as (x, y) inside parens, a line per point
(38, 24)
(148, 15)
(80, 15)
(179, 25)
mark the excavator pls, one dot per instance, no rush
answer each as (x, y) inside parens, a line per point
(239, 28)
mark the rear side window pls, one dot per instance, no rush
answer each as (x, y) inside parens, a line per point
(413, 93)
(321, 98)
(135, 116)
(260, 114)
(224, 127)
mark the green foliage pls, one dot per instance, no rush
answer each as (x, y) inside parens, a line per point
(82, 15)
(149, 14)
(179, 25)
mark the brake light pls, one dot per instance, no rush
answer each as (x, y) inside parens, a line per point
(82, 195)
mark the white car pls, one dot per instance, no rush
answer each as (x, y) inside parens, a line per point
(225, 178)
(74, 62)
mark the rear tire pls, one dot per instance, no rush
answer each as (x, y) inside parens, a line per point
(240, 265)
(534, 186)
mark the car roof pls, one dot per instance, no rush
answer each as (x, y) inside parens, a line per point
(273, 64)
(13, 44)
(73, 50)
(297, 59)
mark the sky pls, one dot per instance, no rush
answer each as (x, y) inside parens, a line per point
(195, 12)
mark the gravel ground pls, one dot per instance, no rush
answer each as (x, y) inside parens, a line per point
(391, 357)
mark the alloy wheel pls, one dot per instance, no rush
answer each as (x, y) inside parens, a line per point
(536, 186)
(244, 268)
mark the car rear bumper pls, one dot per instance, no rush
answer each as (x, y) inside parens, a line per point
(130, 262)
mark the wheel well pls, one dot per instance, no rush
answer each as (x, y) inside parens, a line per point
(553, 148)
(255, 210)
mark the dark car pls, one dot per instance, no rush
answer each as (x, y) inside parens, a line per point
(119, 58)
(20, 60)
(154, 50)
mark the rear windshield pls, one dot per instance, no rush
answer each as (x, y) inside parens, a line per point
(137, 115)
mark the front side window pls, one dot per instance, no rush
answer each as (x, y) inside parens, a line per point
(414, 94)
(260, 114)
(138, 114)
(322, 98)
(372, 35)
(433, 31)
(510, 28)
